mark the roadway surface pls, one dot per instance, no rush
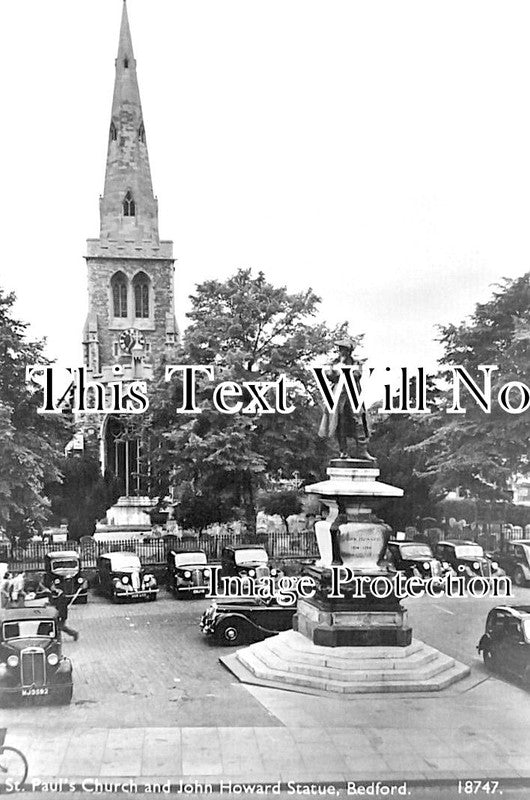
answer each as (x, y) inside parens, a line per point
(146, 666)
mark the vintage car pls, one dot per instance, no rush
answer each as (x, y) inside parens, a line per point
(514, 558)
(467, 559)
(505, 646)
(31, 662)
(240, 621)
(121, 576)
(188, 573)
(63, 569)
(246, 560)
(415, 559)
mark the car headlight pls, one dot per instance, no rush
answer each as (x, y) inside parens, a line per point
(476, 565)
(57, 580)
(80, 580)
(12, 661)
(125, 579)
(426, 565)
(274, 571)
(252, 572)
(494, 565)
(206, 572)
(53, 659)
(187, 574)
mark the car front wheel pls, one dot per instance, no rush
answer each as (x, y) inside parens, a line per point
(519, 577)
(230, 632)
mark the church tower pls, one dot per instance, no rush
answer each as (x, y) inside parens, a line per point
(130, 326)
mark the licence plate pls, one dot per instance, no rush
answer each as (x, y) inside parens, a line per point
(34, 692)
(196, 591)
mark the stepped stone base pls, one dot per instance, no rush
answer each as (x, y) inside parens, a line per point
(290, 661)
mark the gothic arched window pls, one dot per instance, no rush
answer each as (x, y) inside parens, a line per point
(126, 63)
(119, 295)
(141, 132)
(129, 206)
(113, 132)
(141, 295)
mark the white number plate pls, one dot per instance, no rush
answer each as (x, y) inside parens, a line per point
(34, 692)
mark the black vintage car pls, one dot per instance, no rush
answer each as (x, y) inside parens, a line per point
(240, 621)
(31, 661)
(121, 576)
(244, 560)
(414, 559)
(467, 559)
(63, 569)
(514, 558)
(505, 646)
(188, 573)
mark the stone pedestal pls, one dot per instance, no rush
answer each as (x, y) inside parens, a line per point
(319, 622)
(356, 642)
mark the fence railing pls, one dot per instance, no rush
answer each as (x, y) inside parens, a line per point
(279, 545)
(155, 550)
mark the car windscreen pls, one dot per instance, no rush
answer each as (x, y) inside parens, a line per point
(251, 554)
(469, 551)
(189, 559)
(415, 551)
(28, 628)
(64, 563)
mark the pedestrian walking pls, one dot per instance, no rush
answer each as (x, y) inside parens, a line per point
(58, 599)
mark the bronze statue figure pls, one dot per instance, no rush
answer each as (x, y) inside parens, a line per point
(343, 422)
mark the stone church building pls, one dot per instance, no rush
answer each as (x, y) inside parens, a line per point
(130, 325)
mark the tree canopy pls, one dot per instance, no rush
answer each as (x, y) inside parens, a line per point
(30, 443)
(479, 452)
(248, 330)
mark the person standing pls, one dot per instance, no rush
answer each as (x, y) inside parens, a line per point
(58, 599)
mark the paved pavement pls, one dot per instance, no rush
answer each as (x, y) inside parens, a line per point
(152, 703)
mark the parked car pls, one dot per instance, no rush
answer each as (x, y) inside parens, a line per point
(505, 646)
(187, 573)
(244, 560)
(235, 622)
(415, 559)
(467, 559)
(63, 569)
(121, 576)
(31, 661)
(514, 558)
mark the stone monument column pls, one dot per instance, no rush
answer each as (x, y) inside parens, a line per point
(352, 544)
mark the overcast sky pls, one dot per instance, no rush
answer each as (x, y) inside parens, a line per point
(378, 152)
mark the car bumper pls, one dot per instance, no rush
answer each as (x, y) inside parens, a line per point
(185, 589)
(23, 692)
(208, 625)
(140, 594)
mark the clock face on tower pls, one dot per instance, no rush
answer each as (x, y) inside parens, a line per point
(131, 338)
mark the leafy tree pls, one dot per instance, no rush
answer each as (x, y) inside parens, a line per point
(284, 503)
(83, 496)
(403, 465)
(248, 330)
(475, 451)
(30, 443)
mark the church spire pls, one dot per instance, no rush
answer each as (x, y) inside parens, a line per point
(128, 208)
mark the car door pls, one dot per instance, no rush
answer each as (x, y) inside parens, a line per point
(513, 646)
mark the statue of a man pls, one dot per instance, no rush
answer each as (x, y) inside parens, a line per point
(344, 423)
